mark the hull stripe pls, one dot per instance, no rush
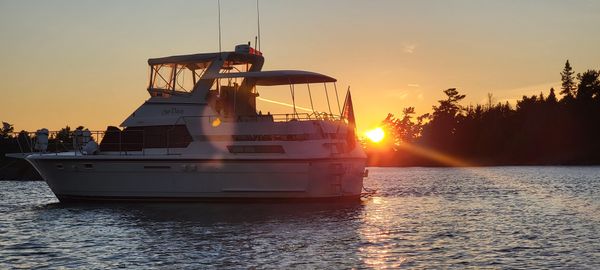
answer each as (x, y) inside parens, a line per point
(75, 198)
(196, 160)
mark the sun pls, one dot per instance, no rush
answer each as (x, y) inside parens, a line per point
(375, 135)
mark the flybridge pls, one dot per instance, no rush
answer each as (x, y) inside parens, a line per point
(199, 136)
(180, 74)
(227, 82)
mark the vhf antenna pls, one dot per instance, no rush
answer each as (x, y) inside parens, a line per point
(258, 25)
(219, 7)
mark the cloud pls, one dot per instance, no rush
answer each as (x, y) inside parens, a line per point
(399, 94)
(405, 94)
(413, 85)
(409, 47)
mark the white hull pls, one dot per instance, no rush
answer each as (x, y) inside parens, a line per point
(189, 179)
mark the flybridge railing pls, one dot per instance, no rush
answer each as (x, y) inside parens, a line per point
(72, 141)
(305, 116)
(279, 117)
(87, 142)
(58, 141)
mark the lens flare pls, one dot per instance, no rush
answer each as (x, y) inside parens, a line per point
(216, 122)
(375, 135)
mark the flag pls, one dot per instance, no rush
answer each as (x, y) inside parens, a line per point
(348, 111)
(348, 114)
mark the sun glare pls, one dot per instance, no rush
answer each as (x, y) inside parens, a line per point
(375, 135)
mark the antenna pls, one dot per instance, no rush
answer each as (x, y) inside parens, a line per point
(258, 24)
(219, 7)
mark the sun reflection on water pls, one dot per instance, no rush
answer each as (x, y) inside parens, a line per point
(378, 248)
(515, 182)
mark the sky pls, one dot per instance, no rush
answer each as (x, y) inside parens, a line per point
(84, 62)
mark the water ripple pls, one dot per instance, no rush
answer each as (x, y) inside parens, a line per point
(505, 217)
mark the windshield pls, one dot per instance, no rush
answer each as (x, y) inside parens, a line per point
(166, 78)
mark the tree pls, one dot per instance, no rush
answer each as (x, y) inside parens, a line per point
(589, 85)
(449, 106)
(568, 81)
(551, 99)
(408, 127)
(6, 130)
(490, 101)
(405, 129)
(64, 134)
(440, 132)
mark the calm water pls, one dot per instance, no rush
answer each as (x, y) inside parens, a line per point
(504, 217)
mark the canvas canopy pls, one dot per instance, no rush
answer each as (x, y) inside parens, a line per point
(276, 77)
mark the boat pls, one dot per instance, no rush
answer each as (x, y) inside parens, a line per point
(200, 137)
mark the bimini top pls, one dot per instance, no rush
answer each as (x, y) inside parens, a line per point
(276, 77)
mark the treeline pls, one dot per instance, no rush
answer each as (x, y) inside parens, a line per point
(539, 130)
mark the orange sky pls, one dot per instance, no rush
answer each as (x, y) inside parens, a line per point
(84, 63)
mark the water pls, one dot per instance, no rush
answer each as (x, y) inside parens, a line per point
(503, 217)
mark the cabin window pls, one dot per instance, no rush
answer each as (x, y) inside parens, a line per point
(137, 138)
(247, 149)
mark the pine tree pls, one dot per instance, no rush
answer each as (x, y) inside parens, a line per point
(551, 97)
(568, 81)
(449, 106)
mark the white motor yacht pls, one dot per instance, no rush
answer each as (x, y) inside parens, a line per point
(200, 137)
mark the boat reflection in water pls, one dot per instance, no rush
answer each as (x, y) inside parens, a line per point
(213, 213)
(213, 235)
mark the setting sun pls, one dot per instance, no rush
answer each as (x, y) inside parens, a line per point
(375, 135)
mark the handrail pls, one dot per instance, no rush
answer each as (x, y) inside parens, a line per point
(70, 141)
(276, 117)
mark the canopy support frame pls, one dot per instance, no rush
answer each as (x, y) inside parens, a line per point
(293, 100)
(337, 97)
(328, 103)
(312, 107)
